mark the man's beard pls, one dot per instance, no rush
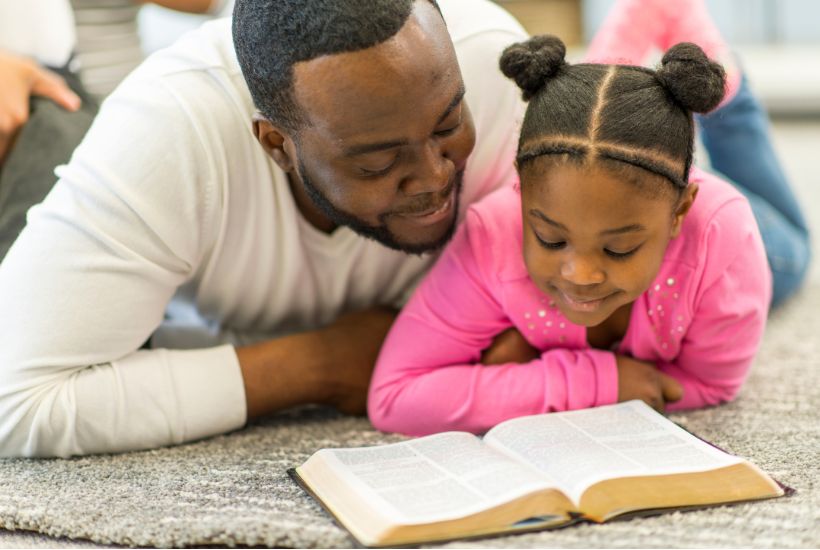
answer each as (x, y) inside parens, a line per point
(379, 233)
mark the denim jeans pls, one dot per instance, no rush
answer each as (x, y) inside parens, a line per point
(736, 136)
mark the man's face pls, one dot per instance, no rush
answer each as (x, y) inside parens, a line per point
(387, 138)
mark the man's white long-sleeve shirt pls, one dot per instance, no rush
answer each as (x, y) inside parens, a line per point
(170, 220)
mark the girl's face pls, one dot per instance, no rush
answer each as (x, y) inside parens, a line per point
(594, 241)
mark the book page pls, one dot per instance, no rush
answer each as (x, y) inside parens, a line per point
(580, 448)
(434, 478)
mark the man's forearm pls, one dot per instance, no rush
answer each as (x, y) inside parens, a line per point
(285, 372)
(329, 366)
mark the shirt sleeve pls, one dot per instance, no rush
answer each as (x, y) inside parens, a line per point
(428, 378)
(729, 313)
(497, 109)
(131, 218)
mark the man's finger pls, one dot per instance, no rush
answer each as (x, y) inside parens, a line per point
(671, 388)
(50, 85)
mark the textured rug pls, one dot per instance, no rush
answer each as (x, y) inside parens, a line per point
(233, 490)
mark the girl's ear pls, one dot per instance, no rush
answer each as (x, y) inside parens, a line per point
(684, 205)
(275, 142)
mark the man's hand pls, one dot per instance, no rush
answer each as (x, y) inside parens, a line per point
(642, 380)
(21, 78)
(331, 366)
(509, 347)
(352, 344)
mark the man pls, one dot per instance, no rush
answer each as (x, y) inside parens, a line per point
(270, 227)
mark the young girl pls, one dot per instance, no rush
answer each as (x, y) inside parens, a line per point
(640, 277)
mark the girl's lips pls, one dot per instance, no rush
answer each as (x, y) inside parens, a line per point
(582, 305)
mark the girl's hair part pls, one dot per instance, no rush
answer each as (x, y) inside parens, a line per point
(626, 117)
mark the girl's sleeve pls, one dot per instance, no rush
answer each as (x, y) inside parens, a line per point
(729, 312)
(428, 377)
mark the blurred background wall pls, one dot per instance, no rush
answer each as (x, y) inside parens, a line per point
(742, 21)
(778, 41)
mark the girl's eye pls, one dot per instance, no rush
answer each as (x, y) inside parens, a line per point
(620, 255)
(556, 245)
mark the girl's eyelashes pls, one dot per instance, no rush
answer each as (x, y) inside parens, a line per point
(558, 245)
(550, 245)
(620, 255)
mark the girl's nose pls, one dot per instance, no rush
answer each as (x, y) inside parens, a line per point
(582, 271)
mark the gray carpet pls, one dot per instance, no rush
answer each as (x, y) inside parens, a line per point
(233, 490)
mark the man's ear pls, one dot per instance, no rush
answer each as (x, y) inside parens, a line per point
(684, 205)
(275, 142)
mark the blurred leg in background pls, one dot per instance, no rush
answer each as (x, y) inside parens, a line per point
(737, 138)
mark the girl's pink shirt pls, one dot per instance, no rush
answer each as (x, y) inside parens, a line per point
(701, 321)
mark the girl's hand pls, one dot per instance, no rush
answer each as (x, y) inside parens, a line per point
(509, 347)
(642, 380)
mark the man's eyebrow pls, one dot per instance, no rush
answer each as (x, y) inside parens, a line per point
(635, 227)
(454, 103)
(364, 148)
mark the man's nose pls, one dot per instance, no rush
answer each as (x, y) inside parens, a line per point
(433, 171)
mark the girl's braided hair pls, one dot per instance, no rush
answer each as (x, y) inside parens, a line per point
(625, 116)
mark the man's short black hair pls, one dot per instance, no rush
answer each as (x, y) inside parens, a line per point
(270, 36)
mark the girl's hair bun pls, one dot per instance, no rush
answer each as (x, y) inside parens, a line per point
(696, 82)
(530, 64)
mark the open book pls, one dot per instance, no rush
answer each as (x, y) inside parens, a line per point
(528, 473)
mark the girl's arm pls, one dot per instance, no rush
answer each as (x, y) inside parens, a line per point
(729, 314)
(428, 377)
